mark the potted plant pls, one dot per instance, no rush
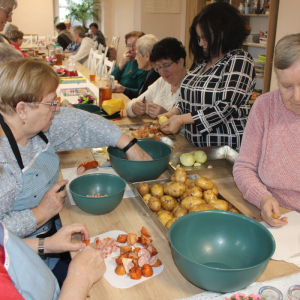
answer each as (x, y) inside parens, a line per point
(83, 11)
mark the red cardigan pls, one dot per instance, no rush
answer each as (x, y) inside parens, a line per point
(17, 47)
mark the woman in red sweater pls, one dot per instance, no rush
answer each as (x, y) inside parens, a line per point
(267, 169)
(16, 40)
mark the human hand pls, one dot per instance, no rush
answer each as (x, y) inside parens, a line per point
(154, 110)
(172, 125)
(137, 153)
(269, 206)
(125, 59)
(52, 202)
(139, 108)
(61, 241)
(30, 52)
(118, 87)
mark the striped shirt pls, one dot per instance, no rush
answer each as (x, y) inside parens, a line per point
(218, 100)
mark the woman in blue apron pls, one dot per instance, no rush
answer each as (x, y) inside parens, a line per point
(29, 276)
(33, 129)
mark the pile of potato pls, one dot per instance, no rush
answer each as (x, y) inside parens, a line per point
(182, 196)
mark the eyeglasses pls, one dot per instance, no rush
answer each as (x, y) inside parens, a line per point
(163, 67)
(52, 105)
(8, 13)
(131, 46)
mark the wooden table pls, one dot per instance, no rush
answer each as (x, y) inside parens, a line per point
(130, 216)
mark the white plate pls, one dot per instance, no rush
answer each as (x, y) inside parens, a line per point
(121, 282)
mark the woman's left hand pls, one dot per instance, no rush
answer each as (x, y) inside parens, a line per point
(154, 110)
(118, 87)
(137, 153)
(61, 241)
(172, 125)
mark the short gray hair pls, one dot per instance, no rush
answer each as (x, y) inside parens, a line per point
(10, 27)
(145, 43)
(78, 29)
(8, 53)
(287, 51)
(12, 3)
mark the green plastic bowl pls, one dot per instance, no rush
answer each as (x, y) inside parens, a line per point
(220, 251)
(94, 109)
(141, 170)
(92, 184)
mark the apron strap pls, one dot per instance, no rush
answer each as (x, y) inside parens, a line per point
(13, 143)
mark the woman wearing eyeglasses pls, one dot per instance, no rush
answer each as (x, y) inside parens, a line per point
(215, 93)
(6, 8)
(33, 128)
(127, 74)
(169, 56)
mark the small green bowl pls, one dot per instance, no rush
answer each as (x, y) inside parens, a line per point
(220, 251)
(92, 184)
(94, 109)
(141, 170)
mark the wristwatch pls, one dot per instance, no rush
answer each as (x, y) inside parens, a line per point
(41, 247)
(130, 144)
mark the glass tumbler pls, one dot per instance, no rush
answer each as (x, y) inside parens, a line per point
(270, 293)
(294, 292)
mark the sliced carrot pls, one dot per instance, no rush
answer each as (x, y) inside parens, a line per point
(157, 139)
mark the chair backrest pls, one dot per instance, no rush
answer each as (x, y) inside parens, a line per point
(97, 64)
(96, 44)
(90, 59)
(108, 66)
(100, 49)
(115, 42)
(27, 39)
(105, 51)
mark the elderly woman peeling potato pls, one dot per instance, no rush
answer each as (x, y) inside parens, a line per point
(267, 169)
(33, 128)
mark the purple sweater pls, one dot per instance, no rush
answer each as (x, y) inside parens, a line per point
(269, 159)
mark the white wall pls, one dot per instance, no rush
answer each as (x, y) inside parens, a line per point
(288, 23)
(34, 17)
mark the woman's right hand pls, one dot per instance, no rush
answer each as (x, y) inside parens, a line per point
(269, 206)
(139, 108)
(125, 59)
(51, 204)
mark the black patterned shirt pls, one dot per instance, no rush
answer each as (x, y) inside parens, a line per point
(218, 100)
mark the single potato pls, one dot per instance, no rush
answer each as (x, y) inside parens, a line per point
(191, 201)
(180, 175)
(154, 203)
(219, 204)
(165, 216)
(170, 222)
(195, 191)
(190, 183)
(179, 212)
(173, 178)
(209, 195)
(176, 189)
(230, 206)
(200, 207)
(157, 190)
(146, 198)
(234, 210)
(204, 183)
(166, 186)
(175, 207)
(168, 202)
(143, 188)
(215, 190)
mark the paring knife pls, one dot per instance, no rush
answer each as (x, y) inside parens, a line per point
(62, 188)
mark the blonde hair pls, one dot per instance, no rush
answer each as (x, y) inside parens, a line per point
(145, 43)
(14, 35)
(12, 3)
(28, 80)
(287, 51)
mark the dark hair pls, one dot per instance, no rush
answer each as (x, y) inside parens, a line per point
(94, 25)
(134, 33)
(168, 48)
(227, 26)
(61, 26)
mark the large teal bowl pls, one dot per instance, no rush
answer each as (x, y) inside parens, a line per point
(92, 184)
(220, 251)
(94, 109)
(141, 170)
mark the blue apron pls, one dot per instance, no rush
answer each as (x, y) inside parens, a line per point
(28, 273)
(37, 178)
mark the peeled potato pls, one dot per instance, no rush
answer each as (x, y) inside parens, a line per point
(234, 210)
(191, 201)
(215, 190)
(179, 212)
(219, 204)
(180, 175)
(209, 195)
(165, 216)
(170, 222)
(201, 207)
(204, 183)
(157, 190)
(143, 188)
(190, 183)
(168, 202)
(176, 189)
(146, 198)
(154, 203)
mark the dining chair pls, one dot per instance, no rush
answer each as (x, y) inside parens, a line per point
(115, 42)
(97, 65)
(100, 49)
(96, 45)
(105, 50)
(90, 59)
(27, 39)
(108, 66)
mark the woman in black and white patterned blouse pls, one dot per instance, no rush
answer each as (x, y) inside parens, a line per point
(216, 90)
